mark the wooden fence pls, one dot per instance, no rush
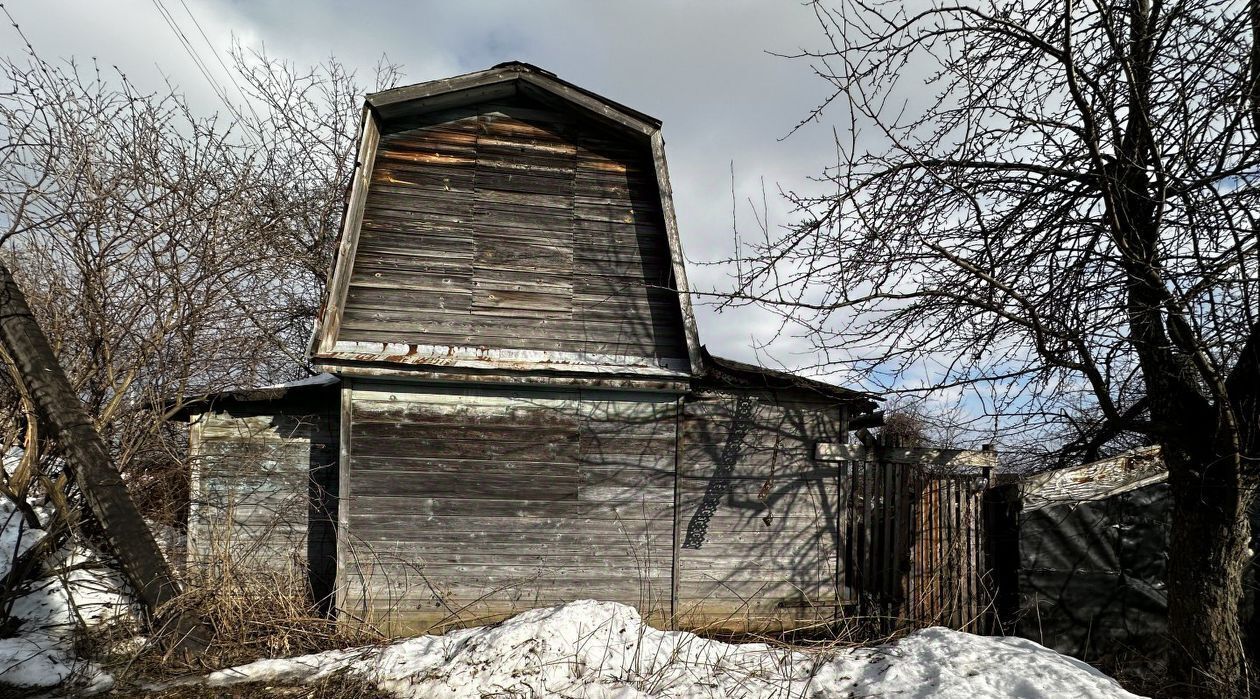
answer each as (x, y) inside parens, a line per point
(913, 539)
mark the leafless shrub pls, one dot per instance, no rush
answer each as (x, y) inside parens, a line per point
(165, 254)
(253, 612)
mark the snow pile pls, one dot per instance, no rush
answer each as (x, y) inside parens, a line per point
(76, 591)
(603, 650)
(16, 538)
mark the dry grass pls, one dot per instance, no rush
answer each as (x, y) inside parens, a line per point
(338, 686)
(261, 614)
(252, 613)
(258, 609)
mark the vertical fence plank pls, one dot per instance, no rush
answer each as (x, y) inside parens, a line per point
(887, 505)
(874, 525)
(977, 521)
(842, 517)
(912, 589)
(942, 547)
(956, 545)
(951, 560)
(968, 568)
(973, 570)
(955, 553)
(868, 519)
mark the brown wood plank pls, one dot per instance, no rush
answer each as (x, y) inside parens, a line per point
(409, 173)
(601, 537)
(499, 488)
(410, 467)
(392, 511)
(558, 451)
(407, 237)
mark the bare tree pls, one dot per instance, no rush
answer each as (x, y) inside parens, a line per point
(1064, 219)
(163, 254)
(88, 461)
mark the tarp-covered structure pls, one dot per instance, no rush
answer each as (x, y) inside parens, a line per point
(1092, 558)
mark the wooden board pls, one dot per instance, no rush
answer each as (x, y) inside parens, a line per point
(757, 515)
(264, 495)
(494, 498)
(514, 226)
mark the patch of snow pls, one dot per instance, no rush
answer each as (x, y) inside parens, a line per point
(16, 538)
(76, 591)
(938, 662)
(603, 650)
(27, 662)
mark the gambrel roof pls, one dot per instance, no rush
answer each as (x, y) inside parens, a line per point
(436, 105)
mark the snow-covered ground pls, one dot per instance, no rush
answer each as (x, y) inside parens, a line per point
(76, 592)
(16, 537)
(603, 650)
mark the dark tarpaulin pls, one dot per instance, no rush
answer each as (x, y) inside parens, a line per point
(1092, 575)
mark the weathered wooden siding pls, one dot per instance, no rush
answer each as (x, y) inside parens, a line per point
(467, 505)
(264, 493)
(757, 516)
(513, 226)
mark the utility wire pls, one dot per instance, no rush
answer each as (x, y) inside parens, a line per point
(215, 85)
(231, 74)
(192, 53)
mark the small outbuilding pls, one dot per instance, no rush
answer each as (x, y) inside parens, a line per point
(516, 409)
(1093, 549)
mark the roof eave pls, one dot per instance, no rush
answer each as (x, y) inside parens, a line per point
(781, 380)
(188, 406)
(506, 79)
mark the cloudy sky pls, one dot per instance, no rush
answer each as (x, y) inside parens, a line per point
(703, 67)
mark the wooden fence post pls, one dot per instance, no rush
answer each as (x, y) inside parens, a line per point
(1001, 524)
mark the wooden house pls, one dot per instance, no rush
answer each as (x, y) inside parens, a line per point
(517, 410)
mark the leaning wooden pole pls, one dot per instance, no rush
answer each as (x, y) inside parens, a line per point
(89, 462)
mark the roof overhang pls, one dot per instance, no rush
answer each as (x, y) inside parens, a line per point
(721, 373)
(506, 80)
(315, 390)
